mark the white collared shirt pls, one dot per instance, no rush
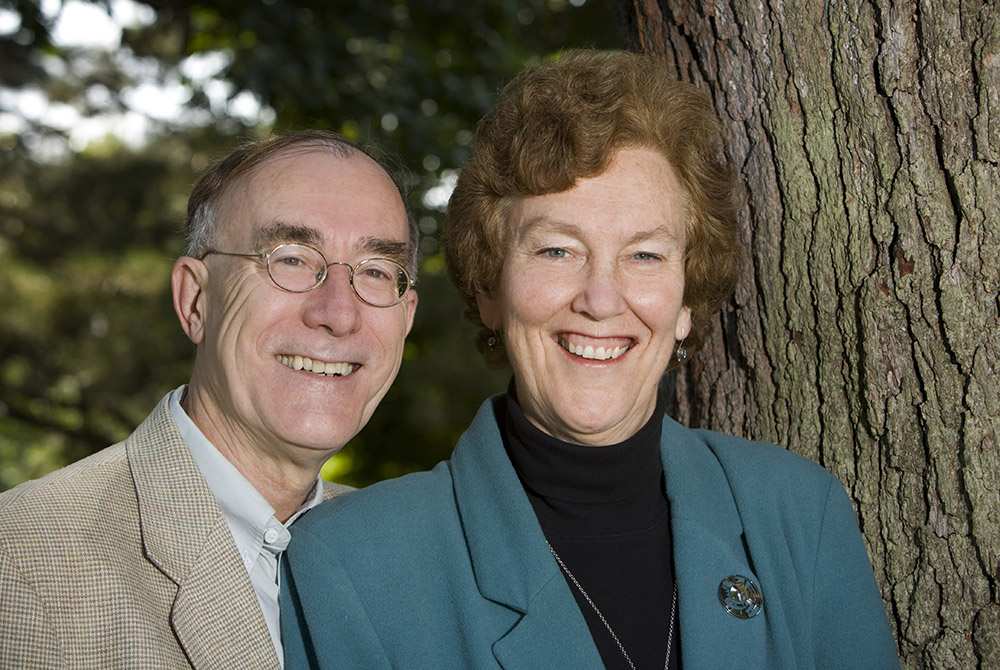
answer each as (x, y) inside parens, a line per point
(260, 538)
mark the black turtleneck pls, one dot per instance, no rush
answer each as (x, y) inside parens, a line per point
(604, 511)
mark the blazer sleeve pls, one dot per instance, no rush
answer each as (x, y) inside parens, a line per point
(324, 625)
(849, 623)
(28, 636)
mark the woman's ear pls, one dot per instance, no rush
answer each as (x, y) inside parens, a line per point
(489, 311)
(683, 327)
(188, 280)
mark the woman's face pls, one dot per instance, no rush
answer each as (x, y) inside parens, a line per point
(590, 299)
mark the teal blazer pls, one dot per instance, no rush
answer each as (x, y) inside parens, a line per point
(449, 568)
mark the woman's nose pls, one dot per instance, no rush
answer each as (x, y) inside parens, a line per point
(601, 295)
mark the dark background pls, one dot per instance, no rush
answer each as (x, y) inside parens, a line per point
(89, 231)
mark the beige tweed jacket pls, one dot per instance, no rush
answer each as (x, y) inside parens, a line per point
(124, 560)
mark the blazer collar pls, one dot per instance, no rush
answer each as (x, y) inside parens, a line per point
(216, 616)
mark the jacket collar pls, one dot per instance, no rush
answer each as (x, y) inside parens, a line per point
(215, 616)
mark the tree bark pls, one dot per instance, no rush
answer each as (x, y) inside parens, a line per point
(865, 331)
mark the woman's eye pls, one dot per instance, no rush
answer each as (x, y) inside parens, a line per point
(555, 253)
(645, 256)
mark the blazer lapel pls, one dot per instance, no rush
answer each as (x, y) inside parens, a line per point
(215, 616)
(708, 546)
(551, 634)
(511, 562)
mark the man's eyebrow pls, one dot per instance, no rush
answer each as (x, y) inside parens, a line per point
(279, 232)
(266, 238)
(383, 247)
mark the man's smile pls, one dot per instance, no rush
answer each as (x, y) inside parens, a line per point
(324, 368)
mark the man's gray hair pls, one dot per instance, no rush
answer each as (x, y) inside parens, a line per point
(202, 225)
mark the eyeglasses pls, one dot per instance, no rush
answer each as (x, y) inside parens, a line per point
(299, 268)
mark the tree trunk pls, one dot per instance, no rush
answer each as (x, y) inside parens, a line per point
(865, 332)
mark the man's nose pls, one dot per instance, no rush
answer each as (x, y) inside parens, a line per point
(333, 305)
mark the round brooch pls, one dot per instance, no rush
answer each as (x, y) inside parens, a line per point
(740, 596)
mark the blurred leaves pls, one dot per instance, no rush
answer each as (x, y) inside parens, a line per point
(88, 234)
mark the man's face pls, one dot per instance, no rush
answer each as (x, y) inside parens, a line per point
(246, 392)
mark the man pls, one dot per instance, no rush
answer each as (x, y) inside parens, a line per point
(162, 551)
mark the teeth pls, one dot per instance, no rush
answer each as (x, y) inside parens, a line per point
(316, 367)
(598, 354)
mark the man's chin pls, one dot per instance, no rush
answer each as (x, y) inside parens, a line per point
(322, 433)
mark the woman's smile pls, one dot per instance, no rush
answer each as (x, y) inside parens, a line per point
(591, 351)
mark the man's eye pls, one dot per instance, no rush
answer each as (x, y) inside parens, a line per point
(555, 253)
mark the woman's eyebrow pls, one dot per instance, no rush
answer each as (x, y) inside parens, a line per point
(544, 224)
(663, 233)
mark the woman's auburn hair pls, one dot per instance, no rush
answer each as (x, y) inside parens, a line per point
(562, 121)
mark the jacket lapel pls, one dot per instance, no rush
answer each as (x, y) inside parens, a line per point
(708, 546)
(511, 562)
(215, 620)
(215, 616)
(551, 634)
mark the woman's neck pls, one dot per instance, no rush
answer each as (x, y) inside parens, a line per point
(579, 490)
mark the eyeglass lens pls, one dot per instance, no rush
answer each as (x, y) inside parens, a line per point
(299, 268)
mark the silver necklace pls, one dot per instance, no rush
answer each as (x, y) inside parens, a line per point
(621, 648)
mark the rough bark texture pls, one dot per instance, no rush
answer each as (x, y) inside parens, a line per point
(865, 333)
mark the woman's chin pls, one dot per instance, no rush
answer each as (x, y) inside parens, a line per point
(599, 424)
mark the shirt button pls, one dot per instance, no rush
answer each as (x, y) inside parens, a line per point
(271, 535)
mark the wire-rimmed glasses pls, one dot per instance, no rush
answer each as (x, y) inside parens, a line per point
(299, 268)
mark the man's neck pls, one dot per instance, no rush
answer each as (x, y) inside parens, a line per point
(286, 485)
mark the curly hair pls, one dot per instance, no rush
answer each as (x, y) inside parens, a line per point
(558, 122)
(214, 183)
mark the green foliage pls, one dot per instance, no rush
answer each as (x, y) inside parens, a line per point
(88, 338)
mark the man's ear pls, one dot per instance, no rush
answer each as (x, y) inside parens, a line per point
(188, 280)
(489, 311)
(411, 308)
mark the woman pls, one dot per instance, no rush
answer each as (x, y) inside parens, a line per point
(592, 234)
